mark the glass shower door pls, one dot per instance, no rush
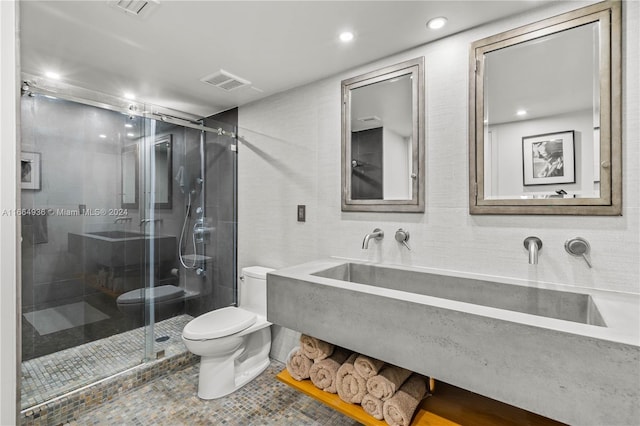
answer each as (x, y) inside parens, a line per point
(79, 247)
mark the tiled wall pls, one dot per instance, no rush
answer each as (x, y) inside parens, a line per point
(289, 154)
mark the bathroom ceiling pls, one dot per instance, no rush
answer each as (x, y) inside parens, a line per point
(161, 56)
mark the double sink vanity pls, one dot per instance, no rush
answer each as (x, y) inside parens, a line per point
(571, 354)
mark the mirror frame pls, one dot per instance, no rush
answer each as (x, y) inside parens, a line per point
(608, 13)
(167, 139)
(134, 150)
(416, 203)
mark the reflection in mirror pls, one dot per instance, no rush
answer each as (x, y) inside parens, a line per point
(542, 106)
(383, 116)
(163, 159)
(545, 126)
(381, 134)
(129, 172)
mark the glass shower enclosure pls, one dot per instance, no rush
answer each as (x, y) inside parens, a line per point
(128, 231)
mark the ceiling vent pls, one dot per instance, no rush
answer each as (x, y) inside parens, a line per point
(139, 8)
(225, 80)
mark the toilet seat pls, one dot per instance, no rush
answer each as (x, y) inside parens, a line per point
(219, 323)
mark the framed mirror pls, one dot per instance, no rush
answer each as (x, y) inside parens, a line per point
(163, 159)
(383, 140)
(545, 117)
(129, 177)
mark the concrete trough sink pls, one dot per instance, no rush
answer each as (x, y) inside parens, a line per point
(568, 353)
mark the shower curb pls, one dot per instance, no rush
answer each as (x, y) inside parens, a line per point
(72, 405)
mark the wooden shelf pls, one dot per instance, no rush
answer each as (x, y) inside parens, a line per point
(448, 406)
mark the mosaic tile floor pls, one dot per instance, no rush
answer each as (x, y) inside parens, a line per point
(52, 375)
(171, 400)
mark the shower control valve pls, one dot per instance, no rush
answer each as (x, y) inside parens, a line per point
(201, 231)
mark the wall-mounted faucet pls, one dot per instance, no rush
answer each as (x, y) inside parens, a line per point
(143, 222)
(534, 245)
(377, 234)
(402, 236)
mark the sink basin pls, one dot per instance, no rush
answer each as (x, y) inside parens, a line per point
(117, 235)
(118, 249)
(537, 346)
(562, 305)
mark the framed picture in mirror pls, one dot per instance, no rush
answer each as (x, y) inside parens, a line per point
(548, 159)
(30, 170)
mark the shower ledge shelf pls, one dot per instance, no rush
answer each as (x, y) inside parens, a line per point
(448, 406)
(197, 258)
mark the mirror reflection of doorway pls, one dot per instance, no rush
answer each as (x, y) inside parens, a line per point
(366, 164)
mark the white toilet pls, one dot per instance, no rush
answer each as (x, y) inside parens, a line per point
(233, 343)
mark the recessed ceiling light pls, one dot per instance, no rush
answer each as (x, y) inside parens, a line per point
(521, 112)
(129, 95)
(51, 74)
(130, 135)
(346, 36)
(437, 23)
(128, 126)
(102, 136)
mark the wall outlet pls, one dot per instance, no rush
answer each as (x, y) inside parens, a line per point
(302, 213)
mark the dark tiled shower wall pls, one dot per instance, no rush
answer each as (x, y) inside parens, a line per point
(221, 205)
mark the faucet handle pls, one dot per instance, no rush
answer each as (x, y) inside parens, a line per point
(402, 236)
(578, 247)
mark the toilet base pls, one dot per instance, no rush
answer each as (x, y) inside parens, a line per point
(220, 376)
(225, 383)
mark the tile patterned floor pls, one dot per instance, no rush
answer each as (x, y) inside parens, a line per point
(52, 375)
(171, 400)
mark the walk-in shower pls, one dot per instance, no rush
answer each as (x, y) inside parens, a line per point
(128, 231)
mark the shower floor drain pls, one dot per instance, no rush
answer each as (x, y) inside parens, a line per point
(162, 339)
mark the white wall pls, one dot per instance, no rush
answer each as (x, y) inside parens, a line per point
(290, 154)
(8, 200)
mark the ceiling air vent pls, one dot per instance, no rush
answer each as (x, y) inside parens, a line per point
(134, 7)
(225, 80)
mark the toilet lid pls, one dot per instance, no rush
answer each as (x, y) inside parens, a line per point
(160, 294)
(219, 323)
